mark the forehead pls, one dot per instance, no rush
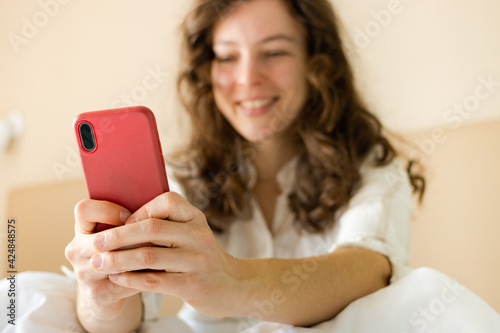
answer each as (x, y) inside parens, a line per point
(256, 20)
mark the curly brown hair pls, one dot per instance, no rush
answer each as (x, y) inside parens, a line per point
(334, 131)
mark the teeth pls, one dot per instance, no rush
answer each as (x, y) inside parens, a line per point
(257, 103)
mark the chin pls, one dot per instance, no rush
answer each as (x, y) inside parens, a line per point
(260, 136)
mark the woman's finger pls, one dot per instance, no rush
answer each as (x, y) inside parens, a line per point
(80, 248)
(158, 258)
(170, 206)
(89, 212)
(87, 274)
(106, 292)
(172, 284)
(154, 231)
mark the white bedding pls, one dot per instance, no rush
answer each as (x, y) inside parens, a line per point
(423, 301)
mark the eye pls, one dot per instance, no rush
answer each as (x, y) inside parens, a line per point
(275, 54)
(224, 59)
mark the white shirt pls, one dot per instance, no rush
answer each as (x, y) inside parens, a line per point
(377, 218)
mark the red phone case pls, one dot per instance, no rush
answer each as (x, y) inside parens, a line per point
(127, 166)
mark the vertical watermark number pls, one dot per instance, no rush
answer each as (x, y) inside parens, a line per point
(11, 271)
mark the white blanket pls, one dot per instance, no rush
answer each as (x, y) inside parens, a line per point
(423, 301)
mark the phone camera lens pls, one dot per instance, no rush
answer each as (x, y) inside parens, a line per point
(87, 136)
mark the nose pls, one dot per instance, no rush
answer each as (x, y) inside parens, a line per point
(249, 72)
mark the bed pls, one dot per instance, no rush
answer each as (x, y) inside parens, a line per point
(424, 300)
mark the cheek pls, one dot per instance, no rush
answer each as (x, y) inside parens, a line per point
(292, 79)
(222, 81)
(290, 76)
(222, 88)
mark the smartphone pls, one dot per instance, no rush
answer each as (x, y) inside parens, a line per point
(121, 156)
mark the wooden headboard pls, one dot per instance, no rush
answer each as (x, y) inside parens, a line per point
(45, 223)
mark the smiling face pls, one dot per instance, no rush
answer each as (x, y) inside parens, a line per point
(259, 70)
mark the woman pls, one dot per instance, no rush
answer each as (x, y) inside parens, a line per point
(302, 207)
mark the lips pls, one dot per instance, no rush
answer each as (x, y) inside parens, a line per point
(257, 106)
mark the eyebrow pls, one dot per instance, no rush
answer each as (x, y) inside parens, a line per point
(265, 40)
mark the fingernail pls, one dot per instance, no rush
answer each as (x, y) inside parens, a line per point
(114, 277)
(132, 220)
(124, 216)
(96, 260)
(99, 241)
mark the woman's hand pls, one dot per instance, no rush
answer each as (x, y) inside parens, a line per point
(100, 302)
(187, 259)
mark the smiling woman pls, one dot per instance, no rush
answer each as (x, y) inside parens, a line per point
(272, 77)
(259, 75)
(290, 207)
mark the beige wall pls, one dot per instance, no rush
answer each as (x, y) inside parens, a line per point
(413, 67)
(456, 229)
(423, 58)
